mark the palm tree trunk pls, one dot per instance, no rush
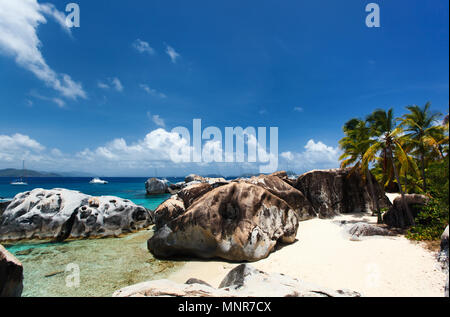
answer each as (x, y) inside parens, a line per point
(406, 182)
(405, 205)
(374, 197)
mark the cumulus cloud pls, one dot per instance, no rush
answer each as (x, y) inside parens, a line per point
(143, 47)
(15, 147)
(156, 150)
(152, 91)
(19, 20)
(156, 146)
(172, 54)
(316, 155)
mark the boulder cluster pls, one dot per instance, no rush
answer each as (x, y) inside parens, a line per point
(61, 214)
(244, 219)
(156, 186)
(242, 281)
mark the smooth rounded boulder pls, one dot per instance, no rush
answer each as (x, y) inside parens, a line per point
(11, 275)
(61, 214)
(168, 210)
(155, 186)
(292, 196)
(237, 222)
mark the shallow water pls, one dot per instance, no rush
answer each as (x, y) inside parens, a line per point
(105, 265)
(132, 188)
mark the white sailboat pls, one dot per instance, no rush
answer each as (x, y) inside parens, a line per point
(20, 181)
(97, 180)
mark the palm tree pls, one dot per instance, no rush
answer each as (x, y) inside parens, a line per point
(422, 132)
(355, 144)
(386, 140)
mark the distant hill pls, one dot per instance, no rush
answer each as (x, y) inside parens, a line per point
(11, 172)
(75, 174)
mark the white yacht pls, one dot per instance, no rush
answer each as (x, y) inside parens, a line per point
(20, 181)
(97, 180)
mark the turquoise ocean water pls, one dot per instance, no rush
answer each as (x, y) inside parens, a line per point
(105, 265)
(132, 188)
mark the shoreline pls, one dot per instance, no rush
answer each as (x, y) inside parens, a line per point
(323, 254)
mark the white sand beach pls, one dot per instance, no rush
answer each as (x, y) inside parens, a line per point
(324, 255)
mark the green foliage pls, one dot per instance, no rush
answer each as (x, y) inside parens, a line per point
(430, 222)
(434, 217)
(408, 153)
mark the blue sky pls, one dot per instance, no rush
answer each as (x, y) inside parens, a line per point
(302, 66)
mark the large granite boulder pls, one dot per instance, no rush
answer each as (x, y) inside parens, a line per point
(290, 179)
(155, 186)
(338, 191)
(167, 211)
(194, 178)
(60, 214)
(179, 202)
(242, 281)
(190, 193)
(237, 222)
(11, 275)
(292, 196)
(3, 206)
(397, 216)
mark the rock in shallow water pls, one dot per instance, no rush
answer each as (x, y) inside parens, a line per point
(242, 281)
(237, 222)
(155, 186)
(60, 214)
(11, 275)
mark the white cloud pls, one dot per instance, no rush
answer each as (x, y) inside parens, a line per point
(152, 91)
(172, 54)
(19, 20)
(114, 83)
(156, 119)
(155, 150)
(155, 147)
(15, 147)
(50, 10)
(102, 85)
(114, 157)
(298, 109)
(58, 101)
(117, 84)
(316, 155)
(287, 155)
(143, 47)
